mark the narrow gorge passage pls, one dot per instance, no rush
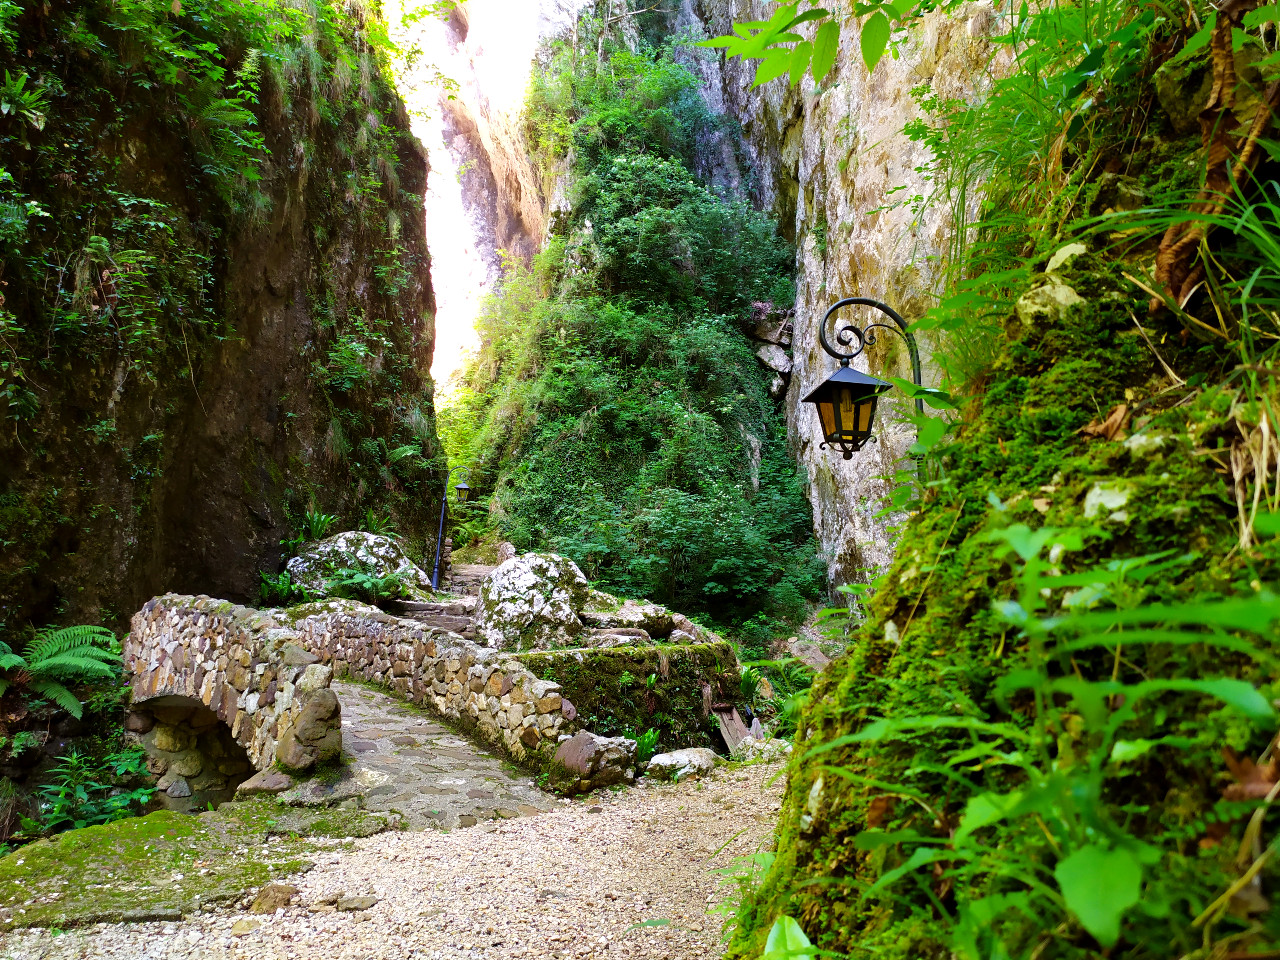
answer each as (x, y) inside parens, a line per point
(627, 875)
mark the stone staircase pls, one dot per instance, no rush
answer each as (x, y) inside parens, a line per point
(458, 615)
(464, 578)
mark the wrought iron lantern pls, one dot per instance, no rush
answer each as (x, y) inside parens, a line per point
(846, 400)
(463, 491)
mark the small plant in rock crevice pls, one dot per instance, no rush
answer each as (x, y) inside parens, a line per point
(646, 745)
(316, 525)
(279, 590)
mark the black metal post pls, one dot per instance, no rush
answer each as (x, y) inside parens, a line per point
(444, 504)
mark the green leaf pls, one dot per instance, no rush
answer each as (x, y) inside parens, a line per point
(1099, 885)
(984, 810)
(938, 399)
(921, 857)
(775, 65)
(930, 432)
(1266, 524)
(786, 939)
(809, 15)
(825, 45)
(799, 61)
(1267, 14)
(1239, 694)
(1199, 41)
(874, 39)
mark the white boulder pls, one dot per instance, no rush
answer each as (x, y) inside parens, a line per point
(379, 556)
(531, 603)
(679, 764)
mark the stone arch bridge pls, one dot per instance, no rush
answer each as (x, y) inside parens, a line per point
(219, 691)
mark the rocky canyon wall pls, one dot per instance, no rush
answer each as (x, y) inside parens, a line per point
(487, 198)
(835, 168)
(192, 360)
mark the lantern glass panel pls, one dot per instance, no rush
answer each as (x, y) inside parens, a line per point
(827, 414)
(848, 411)
(865, 410)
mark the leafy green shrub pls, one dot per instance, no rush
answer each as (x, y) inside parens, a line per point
(85, 792)
(646, 745)
(279, 590)
(57, 657)
(749, 684)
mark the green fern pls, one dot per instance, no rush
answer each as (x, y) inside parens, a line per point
(58, 656)
(53, 691)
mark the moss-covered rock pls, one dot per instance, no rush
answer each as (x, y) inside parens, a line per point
(624, 691)
(932, 644)
(164, 864)
(532, 602)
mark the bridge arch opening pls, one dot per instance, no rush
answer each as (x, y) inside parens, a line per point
(196, 760)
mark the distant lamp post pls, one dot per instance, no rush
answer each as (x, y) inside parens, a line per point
(846, 400)
(463, 492)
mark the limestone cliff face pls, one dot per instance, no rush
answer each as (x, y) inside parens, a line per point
(486, 197)
(835, 168)
(203, 372)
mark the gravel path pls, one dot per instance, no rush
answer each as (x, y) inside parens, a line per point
(568, 883)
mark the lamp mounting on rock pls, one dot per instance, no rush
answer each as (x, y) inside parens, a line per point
(846, 400)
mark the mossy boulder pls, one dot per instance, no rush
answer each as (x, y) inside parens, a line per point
(371, 553)
(532, 602)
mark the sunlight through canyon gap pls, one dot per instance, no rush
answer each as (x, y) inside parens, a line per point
(487, 48)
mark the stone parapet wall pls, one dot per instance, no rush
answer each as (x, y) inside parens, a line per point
(625, 690)
(488, 691)
(242, 665)
(266, 675)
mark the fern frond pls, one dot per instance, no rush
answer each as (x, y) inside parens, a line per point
(71, 664)
(4, 685)
(57, 693)
(51, 641)
(11, 661)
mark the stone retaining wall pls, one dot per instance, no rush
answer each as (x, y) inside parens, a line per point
(242, 665)
(625, 690)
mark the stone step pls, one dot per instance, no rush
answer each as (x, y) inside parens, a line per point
(464, 607)
(466, 577)
(462, 625)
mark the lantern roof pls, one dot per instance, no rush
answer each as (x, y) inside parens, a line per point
(870, 386)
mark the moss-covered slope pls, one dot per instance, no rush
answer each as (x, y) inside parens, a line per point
(934, 645)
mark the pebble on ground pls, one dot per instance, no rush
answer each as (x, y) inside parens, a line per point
(574, 882)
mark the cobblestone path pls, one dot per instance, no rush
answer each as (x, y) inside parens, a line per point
(401, 759)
